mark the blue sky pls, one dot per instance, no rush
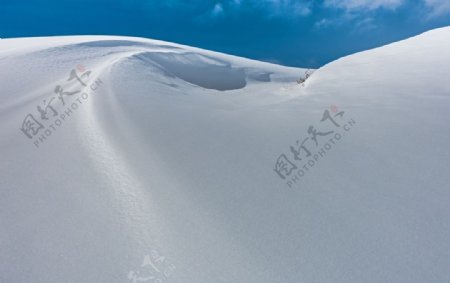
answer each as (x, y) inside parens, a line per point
(296, 33)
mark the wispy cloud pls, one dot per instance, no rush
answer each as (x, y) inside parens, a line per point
(217, 10)
(323, 23)
(438, 7)
(272, 8)
(342, 11)
(287, 7)
(365, 25)
(361, 5)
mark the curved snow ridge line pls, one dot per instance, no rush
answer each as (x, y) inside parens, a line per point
(197, 69)
(68, 43)
(135, 200)
(192, 67)
(206, 69)
(129, 194)
(18, 46)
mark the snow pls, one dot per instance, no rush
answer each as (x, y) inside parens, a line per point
(166, 163)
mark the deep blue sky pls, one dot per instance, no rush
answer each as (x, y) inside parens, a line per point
(295, 33)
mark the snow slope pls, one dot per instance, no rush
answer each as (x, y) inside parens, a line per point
(167, 165)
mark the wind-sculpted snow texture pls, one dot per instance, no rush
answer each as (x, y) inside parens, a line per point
(133, 160)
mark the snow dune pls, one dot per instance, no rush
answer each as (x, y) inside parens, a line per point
(134, 160)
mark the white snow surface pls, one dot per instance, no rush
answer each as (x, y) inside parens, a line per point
(172, 152)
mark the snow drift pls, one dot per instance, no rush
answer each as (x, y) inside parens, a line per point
(135, 160)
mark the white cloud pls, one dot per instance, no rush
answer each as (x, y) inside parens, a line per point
(438, 7)
(323, 23)
(353, 5)
(292, 7)
(279, 7)
(217, 10)
(365, 25)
